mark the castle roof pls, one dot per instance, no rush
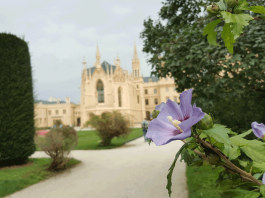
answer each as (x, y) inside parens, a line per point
(153, 78)
(104, 67)
(47, 102)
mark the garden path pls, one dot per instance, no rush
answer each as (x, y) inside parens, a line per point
(135, 170)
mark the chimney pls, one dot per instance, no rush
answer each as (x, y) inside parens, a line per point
(50, 99)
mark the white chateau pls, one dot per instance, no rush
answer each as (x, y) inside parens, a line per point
(104, 88)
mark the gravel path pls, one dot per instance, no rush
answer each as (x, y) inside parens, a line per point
(135, 170)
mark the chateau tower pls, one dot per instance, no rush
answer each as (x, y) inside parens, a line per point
(118, 62)
(97, 64)
(135, 63)
(84, 75)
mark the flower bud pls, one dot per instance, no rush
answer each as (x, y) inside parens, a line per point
(213, 9)
(155, 113)
(213, 159)
(232, 3)
(206, 123)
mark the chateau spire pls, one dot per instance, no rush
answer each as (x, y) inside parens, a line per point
(97, 64)
(118, 63)
(84, 62)
(135, 63)
(135, 56)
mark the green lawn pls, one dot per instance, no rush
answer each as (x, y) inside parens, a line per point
(18, 178)
(89, 140)
(13, 179)
(201, 183)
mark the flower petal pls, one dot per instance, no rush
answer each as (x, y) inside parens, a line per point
(185, 103)
(258, 129)
(171, 109)
(160, 107)
(196, 117)
(161, 132)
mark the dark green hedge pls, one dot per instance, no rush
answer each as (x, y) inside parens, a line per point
(16, 101)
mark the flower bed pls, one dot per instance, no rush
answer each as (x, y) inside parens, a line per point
(42, 132)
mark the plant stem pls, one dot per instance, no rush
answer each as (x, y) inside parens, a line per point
(243, 174)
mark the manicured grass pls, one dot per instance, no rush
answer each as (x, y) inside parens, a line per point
(201, 183)
(16, 178)
(89, 140)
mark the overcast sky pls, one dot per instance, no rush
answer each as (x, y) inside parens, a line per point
(61, 32)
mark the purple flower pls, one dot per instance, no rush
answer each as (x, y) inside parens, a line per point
(258, 129)
(174, 121)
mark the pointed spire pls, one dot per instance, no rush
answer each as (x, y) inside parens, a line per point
(89, 73)
(84, 62)
(135, 56)
(118, 63)
(97, 64)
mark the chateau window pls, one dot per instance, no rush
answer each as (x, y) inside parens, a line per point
(50, 112)
(138, 99)
(57, 112)
(174, 89)
(150, 80)
(119, 96)
(147, 115)
(100, 90)
(156, 101)
(146, 91)
(175, 99)
(64, 111)
(146, 101)
(167, 98)
(167, 89)
(155, 91)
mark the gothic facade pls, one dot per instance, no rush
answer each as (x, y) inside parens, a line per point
(106, 87)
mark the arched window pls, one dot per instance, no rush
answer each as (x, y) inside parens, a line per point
(100, 90)
(119, 96)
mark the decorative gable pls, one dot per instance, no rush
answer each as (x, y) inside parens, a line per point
(119, 75)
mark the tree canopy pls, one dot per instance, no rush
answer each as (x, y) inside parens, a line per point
(235, 94)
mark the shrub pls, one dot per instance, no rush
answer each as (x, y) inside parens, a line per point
(16, 101)
(110, 125)
(58, 143)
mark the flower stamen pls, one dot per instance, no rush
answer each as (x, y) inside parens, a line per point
(175, 123)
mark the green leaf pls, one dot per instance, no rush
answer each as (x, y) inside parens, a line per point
(252, 195)
(228, 37)
(245, 134)
(243, 5)
(209, 29)
(187, 157)
(239, 141)
(257, 175)
(255, 152)
(231, 152)
(222, 5)
(242, 163)
(257, 9)
(238, 20)
(232, 132)
(260, 166)
(149, 141)
(169, 175)
(220, 133)
(262, 190)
